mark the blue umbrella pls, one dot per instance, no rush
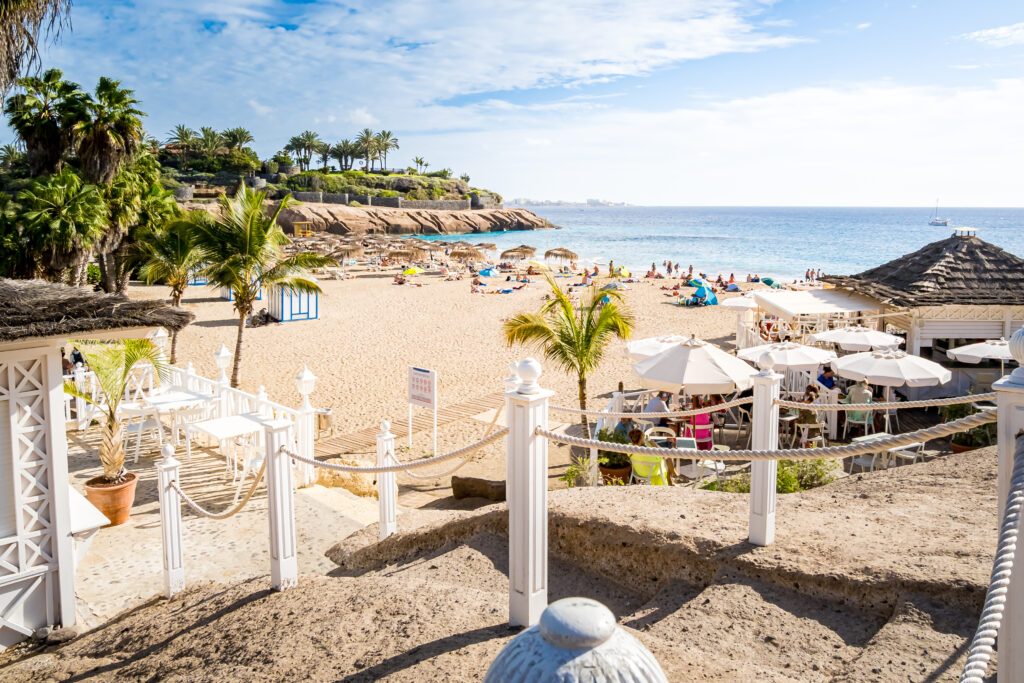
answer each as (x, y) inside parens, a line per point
(709, 297)
(486, 272)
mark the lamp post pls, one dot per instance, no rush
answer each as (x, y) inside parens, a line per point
(223, 359)
(305, 382)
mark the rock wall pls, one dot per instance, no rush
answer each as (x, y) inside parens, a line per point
(343, 220)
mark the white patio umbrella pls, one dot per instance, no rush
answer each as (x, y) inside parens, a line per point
(856, 338)
(642, 349)
(891, 368)
(787, 355)
(700, 367)
(744, 303)
(992, 349)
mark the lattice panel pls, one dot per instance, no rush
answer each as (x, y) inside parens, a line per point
(9, 557)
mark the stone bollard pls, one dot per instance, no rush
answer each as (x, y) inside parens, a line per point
(527, 493)
(387, 483)
(170, 522)
(576, 640)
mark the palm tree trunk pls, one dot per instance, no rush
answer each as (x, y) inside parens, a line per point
(238, 349)
(583, 405)
(176, 302)
(112, 450)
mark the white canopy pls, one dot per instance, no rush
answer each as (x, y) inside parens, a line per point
(743, 303)
(993, 349)
(856, 338)
(890, 368)
(700, 367)
(790, 304)
(642, 349)
(787, 355)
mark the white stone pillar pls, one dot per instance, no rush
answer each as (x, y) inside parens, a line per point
(284, 570)
(305, 382)
(527, 493)
(1010, 400)
(387, 484)
(765, 423)
(170, 522)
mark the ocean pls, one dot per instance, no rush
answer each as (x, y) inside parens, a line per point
(771, 241)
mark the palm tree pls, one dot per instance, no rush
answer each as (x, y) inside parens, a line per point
(185, 140)
(9, 156)
(386, 142)
(573, 338)
(237, 138)
(112, 364)
(420, 164)
(24, 26)
(170, 255)
(243, 246)
(323, 150)
(112, 133)
(366, 140)
(210, 142)
(341, 152)
(63, 219)
(45, 116)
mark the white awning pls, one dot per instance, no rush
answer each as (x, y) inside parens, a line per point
(790, 304)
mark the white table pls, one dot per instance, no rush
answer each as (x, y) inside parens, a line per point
(172, 402)
(224, 429)
(868, 461)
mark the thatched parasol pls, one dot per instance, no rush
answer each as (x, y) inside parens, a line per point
(561, 253)
(402, 253)
(526, 248)
(348, 251)
(487, 246)
(515, 254)
(466, 253)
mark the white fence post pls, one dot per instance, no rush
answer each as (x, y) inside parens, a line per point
(170, 522)
(305, 382)
(1010, 400)
(527, 493)
(387, 484)
(765, 425)
(284, 569)
(222, 358)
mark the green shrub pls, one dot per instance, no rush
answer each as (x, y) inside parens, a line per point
(92, 274)
(169, 183)
(356, 204)
(978, 437)
(272, 167)
(388, 193)
(443, 173)
(612, 458)
(437, 192)
(792, 476)
(283, 158)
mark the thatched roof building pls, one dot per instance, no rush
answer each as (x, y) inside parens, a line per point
(37, 309)
(959, 270)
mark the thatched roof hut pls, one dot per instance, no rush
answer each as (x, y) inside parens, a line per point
(959, 270)
(948, 292)
(37, 309)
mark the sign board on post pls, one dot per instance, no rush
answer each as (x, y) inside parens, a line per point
(423, 393)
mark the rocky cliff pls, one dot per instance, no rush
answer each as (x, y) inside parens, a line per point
(345, 220)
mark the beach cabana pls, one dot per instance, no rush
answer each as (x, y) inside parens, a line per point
(37, 532)
(952, 292)
(286, 306)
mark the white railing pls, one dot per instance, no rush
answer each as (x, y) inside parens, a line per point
(527, 439)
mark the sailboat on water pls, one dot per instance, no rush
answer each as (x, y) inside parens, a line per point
(942, 222)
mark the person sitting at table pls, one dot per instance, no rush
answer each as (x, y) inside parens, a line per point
(624, 427)
(658, 404)
(859, 393)
(700, 428)
(827, 378)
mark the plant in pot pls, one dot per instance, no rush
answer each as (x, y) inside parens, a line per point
(615, 467)
(113, 492)
(961, 442)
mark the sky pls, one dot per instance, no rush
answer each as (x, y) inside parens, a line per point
(657, 102)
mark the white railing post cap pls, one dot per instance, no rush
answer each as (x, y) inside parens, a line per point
(385, 427)
(529, 371)
(577, 639)
(1016, 345)
(168, 460)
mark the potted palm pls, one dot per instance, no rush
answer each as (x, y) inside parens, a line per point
(961, 442)
(615, 467)
(113, 492)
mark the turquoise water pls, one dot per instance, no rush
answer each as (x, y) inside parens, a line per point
(780, 242)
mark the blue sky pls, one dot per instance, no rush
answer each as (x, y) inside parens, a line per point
(727, 102)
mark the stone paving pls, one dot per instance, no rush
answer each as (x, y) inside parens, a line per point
(123, 567)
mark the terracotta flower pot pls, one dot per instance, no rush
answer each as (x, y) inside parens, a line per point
(960, 448)
(615, 475)
(113, 500)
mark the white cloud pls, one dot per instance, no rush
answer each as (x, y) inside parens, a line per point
(863, 25)
(361, 116)
(259, 107)
(1002, 36)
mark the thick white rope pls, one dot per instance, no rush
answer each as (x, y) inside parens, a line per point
(982, 645)
(452, 470)
(227, 514)
(924, 403)
(460, 453)
(678, 413)
(862, 448)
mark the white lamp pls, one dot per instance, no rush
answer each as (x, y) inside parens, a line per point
(305, 381)
(222, 358)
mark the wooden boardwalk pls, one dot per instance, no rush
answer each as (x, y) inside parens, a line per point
(365, 440)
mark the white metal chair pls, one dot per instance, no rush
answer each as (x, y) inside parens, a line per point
(806, 440)
(908, 454)
(860, 418)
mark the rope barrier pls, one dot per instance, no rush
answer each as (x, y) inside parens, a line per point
(982, 645)
(227, 514)
(461, 452)
(863, 448)
(453, 470)
(678, 413)
(924, 403)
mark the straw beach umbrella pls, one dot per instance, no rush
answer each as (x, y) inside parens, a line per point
(487, 246)
(469, 253)
(560, 253)
(526, 248)
(514, 254)
(697, 366)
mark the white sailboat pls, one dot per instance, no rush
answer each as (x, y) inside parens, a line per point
(942, 222)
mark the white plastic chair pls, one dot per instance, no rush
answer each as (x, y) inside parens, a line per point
(910, 452)
(252, 460)
(806, 440)
(141, 423)
(862, 418)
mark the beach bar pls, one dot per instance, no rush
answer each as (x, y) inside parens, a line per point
(287, 305)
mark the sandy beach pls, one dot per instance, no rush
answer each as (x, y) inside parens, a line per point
(371, 330)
